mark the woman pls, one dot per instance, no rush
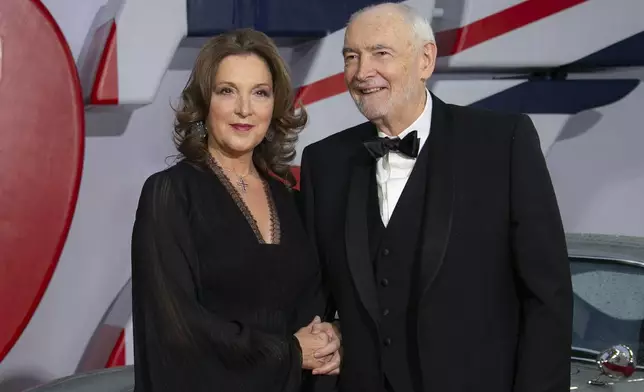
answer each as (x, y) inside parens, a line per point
(225, 283)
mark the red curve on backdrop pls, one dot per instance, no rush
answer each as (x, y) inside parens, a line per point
(41, 145)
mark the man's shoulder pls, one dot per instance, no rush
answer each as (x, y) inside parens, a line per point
(481, 115)
(486, 126)
(344, 140)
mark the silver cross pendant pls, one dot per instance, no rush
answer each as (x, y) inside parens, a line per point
(243, 185)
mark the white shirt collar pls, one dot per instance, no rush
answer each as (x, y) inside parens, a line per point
(421, 125)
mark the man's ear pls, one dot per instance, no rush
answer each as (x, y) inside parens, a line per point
(428, 60)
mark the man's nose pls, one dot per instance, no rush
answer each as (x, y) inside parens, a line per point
(365, 69)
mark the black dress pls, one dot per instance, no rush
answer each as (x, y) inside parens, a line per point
(215, 308)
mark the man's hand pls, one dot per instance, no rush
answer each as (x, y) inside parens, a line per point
(310, 342)
(332, 352)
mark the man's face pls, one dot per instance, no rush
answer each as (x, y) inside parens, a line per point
(383, 69)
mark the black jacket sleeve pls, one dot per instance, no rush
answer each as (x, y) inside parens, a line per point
(541, 260)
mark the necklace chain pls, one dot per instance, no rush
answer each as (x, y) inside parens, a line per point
(241, 182)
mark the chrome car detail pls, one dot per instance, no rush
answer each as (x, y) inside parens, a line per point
(616, 363)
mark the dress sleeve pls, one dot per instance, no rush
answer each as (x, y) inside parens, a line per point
(170, 324)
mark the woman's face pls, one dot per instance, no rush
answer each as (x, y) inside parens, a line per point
(241, 104)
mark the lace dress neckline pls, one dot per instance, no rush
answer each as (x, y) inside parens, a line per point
(275, 230)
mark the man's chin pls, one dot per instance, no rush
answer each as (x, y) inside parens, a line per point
(372, 113)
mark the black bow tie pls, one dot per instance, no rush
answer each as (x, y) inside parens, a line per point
(409, 145)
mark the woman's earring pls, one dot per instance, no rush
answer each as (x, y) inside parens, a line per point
(200, 129)
(270, 134)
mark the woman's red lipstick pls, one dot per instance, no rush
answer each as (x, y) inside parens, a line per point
(242, 127)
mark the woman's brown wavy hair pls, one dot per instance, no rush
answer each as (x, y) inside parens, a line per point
(272, 155)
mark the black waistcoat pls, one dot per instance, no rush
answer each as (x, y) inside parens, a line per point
(394, 251)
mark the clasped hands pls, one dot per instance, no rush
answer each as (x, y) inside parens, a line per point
(321, 347)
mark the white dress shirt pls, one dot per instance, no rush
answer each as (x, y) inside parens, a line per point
(393, 169)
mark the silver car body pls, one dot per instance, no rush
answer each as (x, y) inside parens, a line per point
(608, 284)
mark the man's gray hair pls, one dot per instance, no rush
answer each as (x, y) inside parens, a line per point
(419, 25)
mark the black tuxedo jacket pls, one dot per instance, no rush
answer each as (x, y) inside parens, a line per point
(492, 305)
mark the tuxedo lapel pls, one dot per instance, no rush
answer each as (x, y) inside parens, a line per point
(356, 232)
(440, 195)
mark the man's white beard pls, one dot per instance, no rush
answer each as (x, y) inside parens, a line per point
(380, 111)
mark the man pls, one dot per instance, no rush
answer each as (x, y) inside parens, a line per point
(438, 229)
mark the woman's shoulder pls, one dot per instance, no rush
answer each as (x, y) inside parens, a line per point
(175, 178)
(179, 171)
